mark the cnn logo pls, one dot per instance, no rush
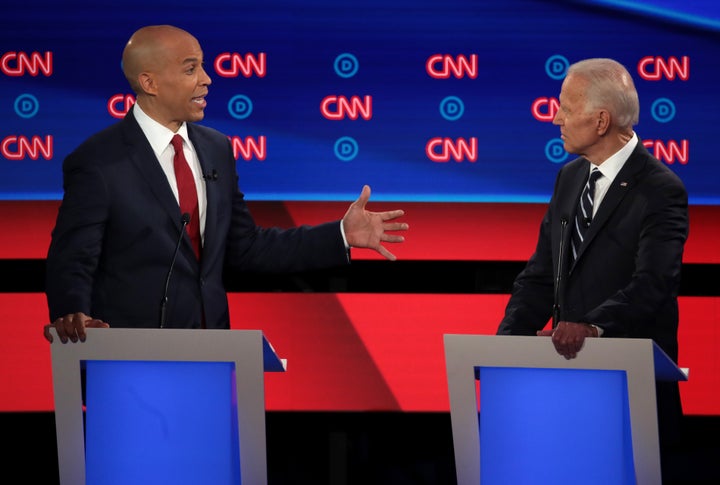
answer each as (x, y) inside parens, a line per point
(18, 64)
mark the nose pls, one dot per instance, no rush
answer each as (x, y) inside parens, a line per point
(205, 78)
(557, 120)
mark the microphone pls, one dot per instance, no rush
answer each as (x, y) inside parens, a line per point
(586, 221)
(558, 276)
(163, 303)
(212, 176)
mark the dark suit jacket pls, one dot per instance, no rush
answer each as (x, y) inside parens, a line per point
(118, 225)
(627, 273)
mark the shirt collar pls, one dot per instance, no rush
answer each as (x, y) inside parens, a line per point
(158, 135)
(610, 167)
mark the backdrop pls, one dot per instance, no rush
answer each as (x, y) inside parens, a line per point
(443, 107)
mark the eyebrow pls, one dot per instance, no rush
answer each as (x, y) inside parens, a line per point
(190, 60)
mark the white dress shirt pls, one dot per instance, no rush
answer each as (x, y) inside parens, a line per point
(610, 168)
(159, 137)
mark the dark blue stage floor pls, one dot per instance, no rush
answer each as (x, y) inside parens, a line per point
(346, 449)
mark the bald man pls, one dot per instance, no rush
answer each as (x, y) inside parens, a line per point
(120, 219)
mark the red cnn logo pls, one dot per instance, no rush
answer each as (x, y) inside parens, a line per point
(668, 153)
(18, 64)
(19, 147)
(441, 149)
(249, 148)
(232, 65)
(338, 107)
(441, 66)
(545, 109)
(653, 68)
(119, 105)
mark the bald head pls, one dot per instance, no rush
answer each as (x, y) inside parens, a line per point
(164, 66)
(147, 50)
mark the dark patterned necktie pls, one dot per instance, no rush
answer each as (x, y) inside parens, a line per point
(584, 212)
(187, 193)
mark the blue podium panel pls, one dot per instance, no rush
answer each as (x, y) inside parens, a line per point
(158, 422)
(550, 426)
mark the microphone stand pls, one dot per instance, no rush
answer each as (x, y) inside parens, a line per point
(163, 302)
(558, 276)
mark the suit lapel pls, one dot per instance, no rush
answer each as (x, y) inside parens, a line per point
(568, 205)
(146, 163)
(202, 148)
(624, 182)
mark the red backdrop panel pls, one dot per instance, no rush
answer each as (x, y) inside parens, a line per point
(353, 352)
(360, 351)
(480, 232)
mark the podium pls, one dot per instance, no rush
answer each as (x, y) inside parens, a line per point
(162, 406)
(523, 414)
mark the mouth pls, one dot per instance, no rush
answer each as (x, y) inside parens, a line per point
(199, 100)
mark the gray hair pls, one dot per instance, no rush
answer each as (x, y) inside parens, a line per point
(610, 87)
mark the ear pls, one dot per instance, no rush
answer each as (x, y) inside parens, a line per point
(603, 122)
(147, 83)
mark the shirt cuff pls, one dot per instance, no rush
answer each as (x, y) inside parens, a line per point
(342, 233)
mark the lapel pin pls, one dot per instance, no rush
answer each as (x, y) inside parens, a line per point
(623, 184)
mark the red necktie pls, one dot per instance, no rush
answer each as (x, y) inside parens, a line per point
(187, 193)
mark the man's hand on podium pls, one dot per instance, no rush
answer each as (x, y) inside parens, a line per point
(569, 337)
(72, 327)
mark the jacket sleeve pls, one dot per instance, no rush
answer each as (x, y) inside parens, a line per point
(77, 239)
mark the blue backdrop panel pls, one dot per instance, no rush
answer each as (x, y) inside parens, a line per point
(454, 98)
(161, 423)
(550, 426)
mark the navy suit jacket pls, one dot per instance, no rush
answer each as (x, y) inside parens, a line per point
(119, 222)
(627, 274)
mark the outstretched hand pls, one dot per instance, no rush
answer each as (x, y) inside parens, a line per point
(365, 229)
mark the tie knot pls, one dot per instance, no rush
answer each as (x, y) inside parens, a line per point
(177, 143)
(594, 174)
